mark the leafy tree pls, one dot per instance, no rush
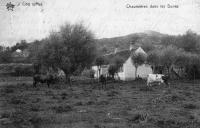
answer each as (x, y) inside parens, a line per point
(189, 41)
(1, 48)
(192, 67)
(169, 56)
(182, 60)
(5, 56)
(34, 47)
(104, 49)
(148, 46)
(88, 73)
(22, 45)
(112, 70)
(135, 39)
(71, 47)
(169, 40)
(118, 61)
(137, 60)
(153, 59)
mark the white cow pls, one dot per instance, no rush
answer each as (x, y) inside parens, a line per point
(154, 78)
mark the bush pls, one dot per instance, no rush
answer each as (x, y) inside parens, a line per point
(62, 108)
(8, 90)
(190, 106)
(145, 88)
(16, 69)
(88, 73)
(193, 72)
(23, 71)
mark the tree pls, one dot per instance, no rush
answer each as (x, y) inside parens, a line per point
(99, 62)
(189, 41)
(169, 40)
(182, 60)
(137, 60)
(34, 48)
(104, 50)
(193, 66)
(1, 48)
(112, 70)
(5, 56)
(22, 45)
(153, 59)
(117, 63)
(71, 47)
(148, 46)
(168, 56)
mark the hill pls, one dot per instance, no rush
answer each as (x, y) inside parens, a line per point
(106, 45)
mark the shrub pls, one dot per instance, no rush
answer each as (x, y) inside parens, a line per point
(16, 100)
(145, 88)
(88, 73)
(112, 93)
(138, 117)
(190, 106)
(62, 108)
(23, 71)
(9, 90)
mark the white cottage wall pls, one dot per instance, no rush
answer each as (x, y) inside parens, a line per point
(129, 70)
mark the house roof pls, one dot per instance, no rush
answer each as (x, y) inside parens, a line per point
(125, 54)
(18, 50)
(20, 53)
(140, 50)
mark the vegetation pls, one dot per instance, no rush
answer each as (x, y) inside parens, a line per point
(22, 45)
(88, 73)
(137, 60)
(127, 105)
(5, 56)
(71, 49)
(115, 65)
(112, 70)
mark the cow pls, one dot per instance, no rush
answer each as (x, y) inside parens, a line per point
(157, 78)
(103, 80)
(39, 78)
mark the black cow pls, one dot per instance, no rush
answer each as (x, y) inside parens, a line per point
(165, 79)
(39, 78)
(103, 80)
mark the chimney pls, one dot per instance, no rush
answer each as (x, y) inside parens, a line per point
(131, 46)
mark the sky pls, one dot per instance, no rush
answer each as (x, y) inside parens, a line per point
(105, 18)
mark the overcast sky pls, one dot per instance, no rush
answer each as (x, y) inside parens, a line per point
(106, 18)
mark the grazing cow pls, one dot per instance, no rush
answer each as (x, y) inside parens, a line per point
(38, 78)
(103, 80)
(165, 79)
(157, 78)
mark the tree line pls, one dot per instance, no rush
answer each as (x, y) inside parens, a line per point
(72, 48)
(181, 52)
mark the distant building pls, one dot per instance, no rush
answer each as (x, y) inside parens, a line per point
(20, 55)
(127, 71)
